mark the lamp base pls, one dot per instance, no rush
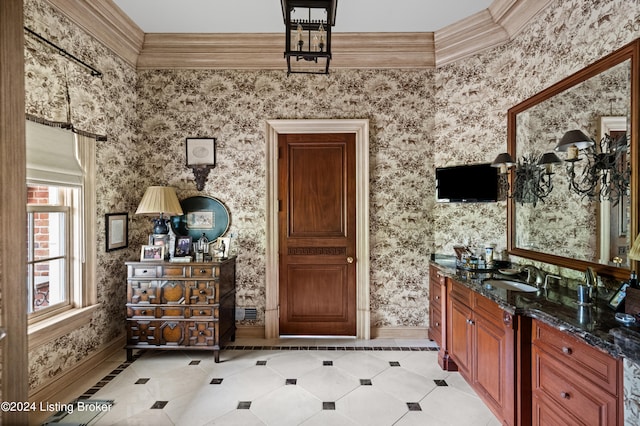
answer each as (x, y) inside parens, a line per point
(160, 226)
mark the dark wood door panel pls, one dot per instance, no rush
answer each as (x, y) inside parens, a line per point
(316, 188)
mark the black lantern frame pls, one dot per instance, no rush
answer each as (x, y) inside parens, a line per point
(308, 38)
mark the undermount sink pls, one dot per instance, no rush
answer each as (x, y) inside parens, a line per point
(510, 285)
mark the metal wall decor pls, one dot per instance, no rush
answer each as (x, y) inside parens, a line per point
(201, 158)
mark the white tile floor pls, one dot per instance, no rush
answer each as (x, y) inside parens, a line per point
(323, 382)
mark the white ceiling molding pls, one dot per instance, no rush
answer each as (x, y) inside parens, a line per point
(502, 21)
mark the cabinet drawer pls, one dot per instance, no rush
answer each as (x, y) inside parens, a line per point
(173, 271)
(142, 332)
(591, 363)
(488, 308)
(203, 333)
(144, 311)
(570, 392)
(436, 275)
(203, 293)
(142, 292)
(144, 271)
(204, 271)
(435, 324)
(208, 311)
(435, 292)
(461, 293)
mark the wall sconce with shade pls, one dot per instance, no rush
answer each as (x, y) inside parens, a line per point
(201, 158)
(160, 200)
(606, 174)
(308, 35)
(533, 177)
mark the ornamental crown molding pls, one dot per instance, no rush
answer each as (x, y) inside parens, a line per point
(106, 22)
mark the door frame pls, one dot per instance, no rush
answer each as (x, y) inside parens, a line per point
(361, 129)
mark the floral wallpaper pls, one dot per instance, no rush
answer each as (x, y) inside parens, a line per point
(419, 119)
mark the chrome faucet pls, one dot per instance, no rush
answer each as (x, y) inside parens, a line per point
(539, 275)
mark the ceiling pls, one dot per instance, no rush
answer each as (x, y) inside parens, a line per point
(265, 16)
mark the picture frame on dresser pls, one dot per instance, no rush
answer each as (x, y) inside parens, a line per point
(152, 253)
(183, 246)
(116, 230)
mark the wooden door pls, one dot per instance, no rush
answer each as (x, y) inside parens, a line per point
(317, 272)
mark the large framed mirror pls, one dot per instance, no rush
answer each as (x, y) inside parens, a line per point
(583, 226)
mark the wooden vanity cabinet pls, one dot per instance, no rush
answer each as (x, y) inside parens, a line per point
(573, 383)
(189, 306)
(482, 343)
(437, 317)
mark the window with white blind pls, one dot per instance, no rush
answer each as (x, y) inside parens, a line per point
(61, 224)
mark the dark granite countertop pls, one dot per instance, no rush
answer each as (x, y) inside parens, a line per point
(557, 306)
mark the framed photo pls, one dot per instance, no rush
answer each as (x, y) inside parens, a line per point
(201, 152)
(116, 230)
(159, 240)
(619, 296)
(183, 246)
(150, 252)
(222, 248)
(201, 220)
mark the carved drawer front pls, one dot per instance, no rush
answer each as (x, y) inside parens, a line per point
(172, 311)
(203, 292)
(209, 311)
(172, 292)
(571, 393)
(142, 332)
(143, 271)
(142, 292)
(141, 311)
(435, 325)
(591, 363)
(174, 271)
(436, 276)
(204, 272)
(202, 333)
(172, 333)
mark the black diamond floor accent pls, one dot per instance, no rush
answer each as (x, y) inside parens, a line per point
(329, 363)
(215, 381)
(261, 363)
(159, 405)
(414, 406)
(291, 381)
(365, 382)
(244, 405)
(328, 405)
(142, 381)
(440, 383)
(196, 362)
(394, 363)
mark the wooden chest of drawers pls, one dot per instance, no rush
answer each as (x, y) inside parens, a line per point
(180, 305)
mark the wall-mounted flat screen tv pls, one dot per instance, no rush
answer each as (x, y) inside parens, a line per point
(472, 183)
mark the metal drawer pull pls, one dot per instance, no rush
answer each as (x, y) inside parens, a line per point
(470, 322)
(437, 324)
(202, 271)
(202, 292)
(567, 350)
(201, 312)
(565, 395)
(144, 291)
(437, 297)
(201, 333)
(143, 312)
(144, 272)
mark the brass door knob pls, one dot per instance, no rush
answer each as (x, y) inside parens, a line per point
(349, 259)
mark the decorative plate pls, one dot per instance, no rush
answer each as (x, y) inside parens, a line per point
(201, 215)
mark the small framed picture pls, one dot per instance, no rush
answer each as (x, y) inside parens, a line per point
(619, 296)
(201, 152)
(116, 230)
(222, 248)
(159, 240)
(183, 246)
(150, 252)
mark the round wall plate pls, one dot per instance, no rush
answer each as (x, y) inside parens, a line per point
(201, 215)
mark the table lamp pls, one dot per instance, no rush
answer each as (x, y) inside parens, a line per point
(160, 200)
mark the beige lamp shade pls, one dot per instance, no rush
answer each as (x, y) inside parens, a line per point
(634, 253)
(160, 200)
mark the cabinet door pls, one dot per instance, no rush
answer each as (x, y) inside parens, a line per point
(493, 365)
(461, 336)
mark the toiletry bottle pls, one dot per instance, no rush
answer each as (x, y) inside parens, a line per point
(633, 280)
